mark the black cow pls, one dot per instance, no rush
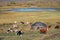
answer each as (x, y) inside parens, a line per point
(20, 33)
(57, 27)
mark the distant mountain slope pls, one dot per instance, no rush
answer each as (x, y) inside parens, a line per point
(30, 0)
(31, 3)
(14, 0)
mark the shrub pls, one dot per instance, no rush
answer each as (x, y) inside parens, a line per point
(13, 2)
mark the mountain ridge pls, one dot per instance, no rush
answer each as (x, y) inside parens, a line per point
(30, 0)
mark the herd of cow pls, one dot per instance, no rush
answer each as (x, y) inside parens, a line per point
(41, 26)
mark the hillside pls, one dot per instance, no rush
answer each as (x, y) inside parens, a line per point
(31, 3)
(30, 0)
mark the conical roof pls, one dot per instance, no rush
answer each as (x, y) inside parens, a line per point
(39, 24)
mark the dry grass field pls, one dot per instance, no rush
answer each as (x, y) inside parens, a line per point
(9, 17)
(47, 17)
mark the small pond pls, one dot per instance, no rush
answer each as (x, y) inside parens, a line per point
(33, 9)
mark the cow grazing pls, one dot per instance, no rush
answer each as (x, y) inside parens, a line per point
(19, 33)
(16, 30)
(9, 30)
(27, 22)
(15, 26)
(49, 26)
(22, 22)
(57, 27)
(43, 30)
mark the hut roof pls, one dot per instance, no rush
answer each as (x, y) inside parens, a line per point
(39, 24)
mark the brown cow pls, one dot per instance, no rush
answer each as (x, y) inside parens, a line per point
(49, 26)
(43, 30)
